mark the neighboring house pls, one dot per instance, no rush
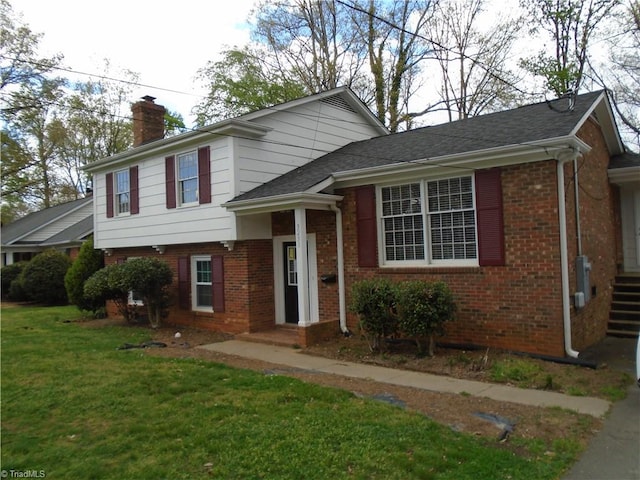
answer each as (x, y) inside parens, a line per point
(62, 227)
(518, 211)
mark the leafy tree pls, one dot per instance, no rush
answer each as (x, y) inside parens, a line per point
(43, 278)
(241, 82)
(19, 62)
(88, 262)
(32, 124)
(571, 26)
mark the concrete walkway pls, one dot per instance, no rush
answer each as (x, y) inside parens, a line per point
(290, 357)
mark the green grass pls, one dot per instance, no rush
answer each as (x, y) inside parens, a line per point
(74, 406)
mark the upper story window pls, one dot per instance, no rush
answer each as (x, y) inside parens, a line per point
(429, 222)
(188, 177)
(122, 192)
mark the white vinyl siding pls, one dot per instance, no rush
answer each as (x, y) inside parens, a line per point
(238, 164)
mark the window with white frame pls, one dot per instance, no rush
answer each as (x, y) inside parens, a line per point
(188, 177)
(201, 283)
(134, 297)
(122, 196)
(432, 221)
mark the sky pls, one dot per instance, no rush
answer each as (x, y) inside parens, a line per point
(164, 42)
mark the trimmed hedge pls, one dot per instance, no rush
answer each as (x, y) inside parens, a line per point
(412, 309)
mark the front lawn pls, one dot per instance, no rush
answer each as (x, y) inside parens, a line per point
(74, 406)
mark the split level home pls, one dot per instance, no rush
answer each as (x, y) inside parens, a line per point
(63, 227)
(530, 215)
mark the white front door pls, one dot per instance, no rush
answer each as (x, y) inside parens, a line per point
(286, 282)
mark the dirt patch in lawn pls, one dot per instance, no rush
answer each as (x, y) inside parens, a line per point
(500, 422)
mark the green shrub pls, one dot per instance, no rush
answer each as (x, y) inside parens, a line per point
(88, 262)
(374, 302)
(43, 278)
(423, 307)
(8, 274)
(149, 277)
(105, 285)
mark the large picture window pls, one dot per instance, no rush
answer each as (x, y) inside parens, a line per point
(188, 177)
(432, 221)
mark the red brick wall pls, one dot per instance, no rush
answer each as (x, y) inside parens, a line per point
(248, 306)
(516, 306)
(600, 227)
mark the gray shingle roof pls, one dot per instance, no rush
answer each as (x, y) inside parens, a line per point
(527, 124)
(23, 226)
(625, 160)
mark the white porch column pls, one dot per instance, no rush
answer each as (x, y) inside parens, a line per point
(303, 266)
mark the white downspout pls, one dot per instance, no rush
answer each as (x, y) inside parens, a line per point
(340, 254)
(564, 262)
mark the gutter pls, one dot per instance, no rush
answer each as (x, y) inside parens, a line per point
(340, 255)
(564, 257)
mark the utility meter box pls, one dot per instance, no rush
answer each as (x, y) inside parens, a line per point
(583, 284)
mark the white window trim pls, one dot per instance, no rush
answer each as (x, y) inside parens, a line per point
(194, 276)
(116, 194)
(179, 202)
(428, 261)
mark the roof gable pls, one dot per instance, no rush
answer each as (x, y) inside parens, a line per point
(246, 125)
(533, 126)
(32, 223)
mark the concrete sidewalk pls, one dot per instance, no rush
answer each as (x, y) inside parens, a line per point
(295, 358)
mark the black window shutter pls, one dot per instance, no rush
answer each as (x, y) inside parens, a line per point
(133, 190)
(366, 226)
(217, 282)
(489, 217)
(184, 283)
(109, 180)
(170, 180)
(204, 175)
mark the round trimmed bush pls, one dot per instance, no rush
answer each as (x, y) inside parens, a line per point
(88, 262)
(43, 278)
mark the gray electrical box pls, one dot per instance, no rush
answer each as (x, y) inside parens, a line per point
(583, 284)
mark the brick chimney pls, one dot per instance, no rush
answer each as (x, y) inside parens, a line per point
(148, 121)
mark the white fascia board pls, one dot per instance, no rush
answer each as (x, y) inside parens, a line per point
(624, 176)
(606, 119)
(290, 201)
(464, 162)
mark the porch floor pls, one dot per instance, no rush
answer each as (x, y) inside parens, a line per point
(282, 335)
